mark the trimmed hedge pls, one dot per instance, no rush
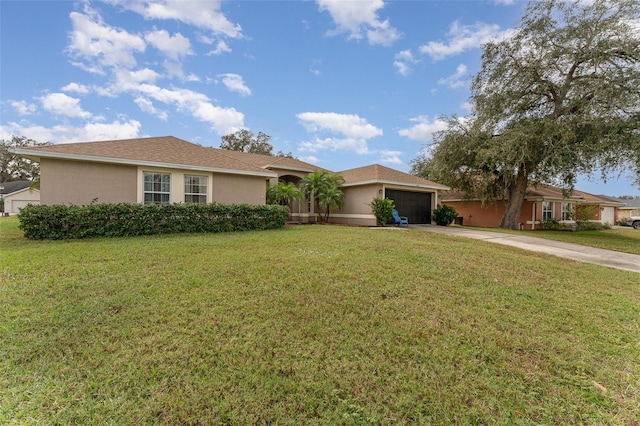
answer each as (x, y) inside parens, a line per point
(60, 222)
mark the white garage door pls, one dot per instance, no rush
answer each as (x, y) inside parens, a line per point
(17, 205)
(608, 216)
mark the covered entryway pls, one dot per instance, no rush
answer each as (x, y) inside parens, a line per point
(415, 205)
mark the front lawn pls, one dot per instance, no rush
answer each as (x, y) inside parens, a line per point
(312, 325)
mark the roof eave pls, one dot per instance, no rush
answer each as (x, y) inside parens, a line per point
(294, 169)
(389, 182)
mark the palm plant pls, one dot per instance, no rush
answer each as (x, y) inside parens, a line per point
(283, 193)
(325, 189)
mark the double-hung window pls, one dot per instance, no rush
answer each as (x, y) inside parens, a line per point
(547, 210)
(566, 211)
(195, 189)
(157, 188)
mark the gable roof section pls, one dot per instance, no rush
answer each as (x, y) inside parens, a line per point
(13, 186)
(270, 162)
(629, 204)
(166, 151)
(376, 173)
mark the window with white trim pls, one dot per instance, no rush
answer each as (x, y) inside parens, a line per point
(547, 210)
(157, 188)
(566, 211)
(195, 189)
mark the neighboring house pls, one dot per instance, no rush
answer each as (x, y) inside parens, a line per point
(542, 202)
(171, 170)
(413, 196)
(630, 208)
(17, 194)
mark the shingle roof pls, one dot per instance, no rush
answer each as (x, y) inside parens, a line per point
(376, 173)
(270, 161)
(539, 190)
(13, 186)
(629, 203)
(163, 151)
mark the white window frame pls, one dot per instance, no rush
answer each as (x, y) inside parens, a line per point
(566, 211)
(201, 188)
(547, 210)
(154, 192)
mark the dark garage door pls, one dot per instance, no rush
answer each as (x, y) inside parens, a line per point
(415, 205)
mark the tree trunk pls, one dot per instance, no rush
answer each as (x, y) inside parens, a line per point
(517, 191)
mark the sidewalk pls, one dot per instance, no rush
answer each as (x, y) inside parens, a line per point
(610, 258)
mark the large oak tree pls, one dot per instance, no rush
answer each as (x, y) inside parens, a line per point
(558, 98)
(14, 167)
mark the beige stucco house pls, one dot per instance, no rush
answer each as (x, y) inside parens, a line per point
(171, 170)
(413, 196)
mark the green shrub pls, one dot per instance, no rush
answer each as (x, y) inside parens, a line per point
(59, 222)
(553, 224)
(382, 208)
(444, 215)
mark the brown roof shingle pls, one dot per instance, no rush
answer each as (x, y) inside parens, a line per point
(165, 150)
(382, 174)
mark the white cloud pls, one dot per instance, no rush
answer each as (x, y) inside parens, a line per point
(22, 107)
(147, 106)
(100, 44)
(222, 120)
(507, 2)
(174, 47)
(456, 80)
(360, 17)
(221, 48)
(61, 104)
(464, 37)
(352, 130)
(306, 158)
(467, 106)
(235, 83)
(423, 129)
(81, 89)
(402, 62)
(66, 134)
(205, 15)
(390, 157)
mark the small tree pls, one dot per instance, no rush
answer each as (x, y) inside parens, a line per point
(444, 215)
(283, 193)
(325, 189)
(382, 208)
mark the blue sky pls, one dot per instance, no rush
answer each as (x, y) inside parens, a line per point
(338, 83)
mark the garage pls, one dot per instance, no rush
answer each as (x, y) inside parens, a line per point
(414, 205)
(18, 200)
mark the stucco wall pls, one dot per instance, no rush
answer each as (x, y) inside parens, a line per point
(358, 198)
(232, 189)
(75, 182)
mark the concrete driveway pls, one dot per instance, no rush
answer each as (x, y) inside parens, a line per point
(610, 258)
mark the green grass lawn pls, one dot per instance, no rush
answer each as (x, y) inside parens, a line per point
(312, 325)
(625, 239)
